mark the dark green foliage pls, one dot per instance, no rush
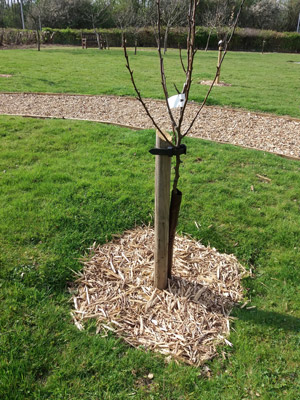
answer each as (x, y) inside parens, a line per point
(245, 39)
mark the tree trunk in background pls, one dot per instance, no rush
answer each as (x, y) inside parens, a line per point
(38, 39)
(107, 42)
(207, 43)
(166, 39)
(98, 39)
(22, 14)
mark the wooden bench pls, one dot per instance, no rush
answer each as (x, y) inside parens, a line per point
(90, 40)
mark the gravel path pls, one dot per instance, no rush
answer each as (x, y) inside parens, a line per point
(280, 135)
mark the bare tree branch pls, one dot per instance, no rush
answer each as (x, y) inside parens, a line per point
(162, 70)
(218, 69)
(181, 60)
(139, 97)
(176, 88)
(191, 55)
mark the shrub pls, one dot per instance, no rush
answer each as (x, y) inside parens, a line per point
(245, 39)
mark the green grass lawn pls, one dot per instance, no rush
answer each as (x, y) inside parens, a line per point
(64, 185)
(268, 82)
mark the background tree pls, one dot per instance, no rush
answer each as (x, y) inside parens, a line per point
(124, 15)
(215, 16)
(2, 12)
(34, 18)
(97, 12)
(267, 14)
(139, 19)
(10, 15)
(292, 10)
(20, 2)
(173, 13)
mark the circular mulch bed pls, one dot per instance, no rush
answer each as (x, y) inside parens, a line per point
(185, 321)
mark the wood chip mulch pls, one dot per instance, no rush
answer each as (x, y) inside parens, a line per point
(265, 132)
(186, 321)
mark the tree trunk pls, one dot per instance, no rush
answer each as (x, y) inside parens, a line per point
(38, 40)
(135, 46)
(22, 14)
(166, 39)
(209, 34)
(174, 213)
(107, 42)
(98, 39)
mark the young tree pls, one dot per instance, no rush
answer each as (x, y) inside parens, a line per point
(172, 13)
(215, 17)
(34, 16)
(97, 14)
(139, 20)
(124, 15)
(172, 143)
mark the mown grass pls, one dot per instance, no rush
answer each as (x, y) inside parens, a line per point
(268, 82)
(64, 185)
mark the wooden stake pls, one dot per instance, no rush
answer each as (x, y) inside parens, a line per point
(162, 207)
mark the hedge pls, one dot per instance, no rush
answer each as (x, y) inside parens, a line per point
(244, 39)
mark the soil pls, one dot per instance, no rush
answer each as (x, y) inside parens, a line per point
(266, 132)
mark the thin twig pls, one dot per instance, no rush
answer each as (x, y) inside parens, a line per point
(181, 60)
(176, 88)
(191, 55)
(162, 71)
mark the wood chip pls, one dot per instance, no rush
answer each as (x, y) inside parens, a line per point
(267, 132)
(186, 321)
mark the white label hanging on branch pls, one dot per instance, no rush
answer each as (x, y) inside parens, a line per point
(177, 100)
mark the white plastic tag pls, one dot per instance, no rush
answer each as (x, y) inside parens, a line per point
(176, 101)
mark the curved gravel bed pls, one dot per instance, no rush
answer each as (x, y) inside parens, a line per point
(280, 135)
